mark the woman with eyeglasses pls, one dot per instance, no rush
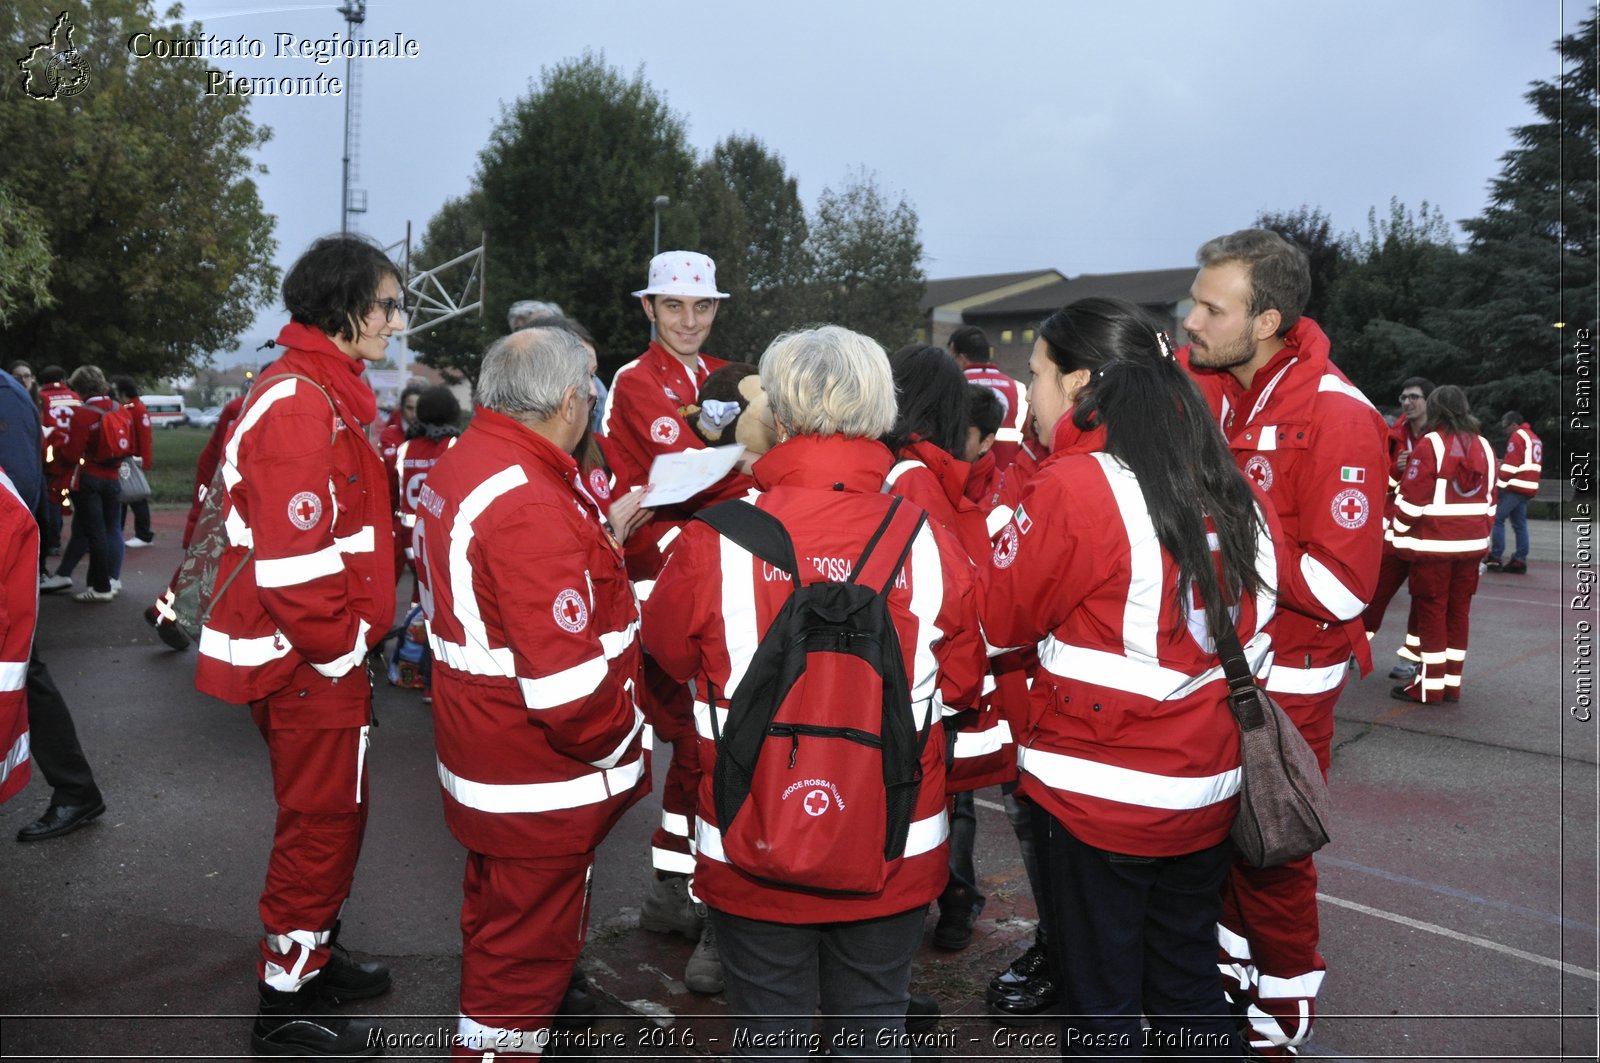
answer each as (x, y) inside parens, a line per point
(304, 589)
(1135, 546)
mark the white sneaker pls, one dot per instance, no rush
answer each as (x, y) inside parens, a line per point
(54, 583)
(89, 594)
(135, 543)
(116, 587)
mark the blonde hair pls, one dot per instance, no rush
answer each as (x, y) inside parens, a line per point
(829, 381)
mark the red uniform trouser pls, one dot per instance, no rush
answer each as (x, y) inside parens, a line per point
(668, 707)
(1441, 594)
(1269, 932)
(1391, 577)
(523, 923)
(320, 784)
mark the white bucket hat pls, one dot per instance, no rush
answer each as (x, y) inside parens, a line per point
(683, 273)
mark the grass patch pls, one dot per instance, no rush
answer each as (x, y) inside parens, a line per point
(177, 452)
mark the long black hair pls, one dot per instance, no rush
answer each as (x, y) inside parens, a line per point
(931, 399)
(1158, 426)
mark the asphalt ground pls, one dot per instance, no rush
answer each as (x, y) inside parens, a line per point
(1459, 902)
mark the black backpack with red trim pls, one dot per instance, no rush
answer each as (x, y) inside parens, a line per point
(820, 762)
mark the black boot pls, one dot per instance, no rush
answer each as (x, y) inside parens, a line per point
(343, 979)
(287, 1024)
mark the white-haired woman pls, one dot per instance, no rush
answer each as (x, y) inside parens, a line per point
(782, 947)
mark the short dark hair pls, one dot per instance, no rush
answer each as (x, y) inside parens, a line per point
(1421, 383)
(1280, 272)
(333, 285)
(985, 411)
(438, 405)
(52, 374)
(971, 342)
(1512, 417)
(124, 387)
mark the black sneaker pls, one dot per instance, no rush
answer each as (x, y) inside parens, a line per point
(1493, 564)
(342, 978)
(1515, 568)
(287, 1024)
(954, 929)
(1034, 963)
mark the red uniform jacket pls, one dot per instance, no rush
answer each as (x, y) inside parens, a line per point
(1128, 740)
(1316, 447)
(1519, 473)
(981, 750)
(534, 632)
(305, 490)
(713, 601)
(56, 402)
(206, 468)
(19, 608)
(413, 459)
(82, 430)
(1446, 505)
(641, 422)
(1014, 399)
(1402, 441)
(142, 448)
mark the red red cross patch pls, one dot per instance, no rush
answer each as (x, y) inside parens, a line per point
(571, 611)
(1005, 546)
(816, 802)
(1350, 508)
(305, 509)
(664, 430)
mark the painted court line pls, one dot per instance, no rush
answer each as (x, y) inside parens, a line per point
(1417, 924)
(1449, 891)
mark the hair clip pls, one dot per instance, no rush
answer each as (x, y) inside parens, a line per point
(1165, 343)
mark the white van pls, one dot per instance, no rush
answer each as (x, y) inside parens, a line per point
(166, 411)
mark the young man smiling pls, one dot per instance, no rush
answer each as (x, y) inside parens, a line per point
(643, 419)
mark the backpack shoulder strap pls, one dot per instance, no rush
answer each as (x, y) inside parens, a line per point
(892, 540)
(754, 529)
(262, 384)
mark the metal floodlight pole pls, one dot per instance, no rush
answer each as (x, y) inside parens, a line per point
(355, 13)
(660, 201)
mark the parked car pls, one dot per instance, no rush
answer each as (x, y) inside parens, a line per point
(206, 418)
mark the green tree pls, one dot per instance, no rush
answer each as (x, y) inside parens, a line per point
(1531, 260)
(564, 190)
(143, 188)
(1389, 290)
(753, 225)
(867, 255)
(24, 259)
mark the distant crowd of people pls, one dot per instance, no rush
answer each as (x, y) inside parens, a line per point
(996, 584)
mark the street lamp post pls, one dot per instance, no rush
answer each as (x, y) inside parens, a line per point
(660, 201)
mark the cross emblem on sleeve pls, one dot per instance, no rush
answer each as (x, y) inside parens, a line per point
(306, 511)
(1351, 509)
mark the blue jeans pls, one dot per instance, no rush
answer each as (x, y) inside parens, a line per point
(1514, 506)
(1138, 936)
(96, 531)
(775, 973)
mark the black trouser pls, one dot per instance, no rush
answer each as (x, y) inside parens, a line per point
(1135, 935)
(54, 740)
(141, 519)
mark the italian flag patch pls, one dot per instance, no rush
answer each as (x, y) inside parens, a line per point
(1351, 475)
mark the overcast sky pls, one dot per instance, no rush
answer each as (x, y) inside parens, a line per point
(1085, 135)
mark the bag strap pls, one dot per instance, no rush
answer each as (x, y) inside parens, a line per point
(754, 529)
(900, 526)
(261, 387)
(1244, 697)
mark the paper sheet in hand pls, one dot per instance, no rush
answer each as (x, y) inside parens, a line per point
(675, 477)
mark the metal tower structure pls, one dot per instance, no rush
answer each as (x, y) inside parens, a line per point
(351, 200)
